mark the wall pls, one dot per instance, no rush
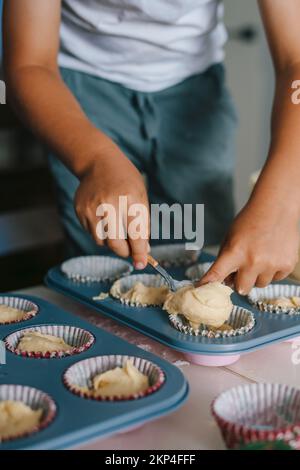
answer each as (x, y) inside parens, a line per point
(250, 78)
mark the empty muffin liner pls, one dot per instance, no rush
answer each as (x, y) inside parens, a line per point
(241, 321)
(174, 255)
(80, 375)
(259, 412)
(121, 286)
(95, 268)
(258, 294)
(79, 339)
(35, 399)
(29, 308)
(195, 272)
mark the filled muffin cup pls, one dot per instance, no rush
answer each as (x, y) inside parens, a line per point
(240, 322)
(123, 285)
(85, 269)
(258, 412)
(78, 378)
(29, 308)
(197, 271)
(35, 399)
(258, 295)
(173, 255)
(79, 339)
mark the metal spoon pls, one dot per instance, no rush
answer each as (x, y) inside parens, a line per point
(173, 284)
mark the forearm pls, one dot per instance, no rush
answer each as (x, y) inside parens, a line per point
(45, 104)
(279, 180)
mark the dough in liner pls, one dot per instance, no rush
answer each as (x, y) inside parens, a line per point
(121, 381)
(17, 418)
(209, 304)
(33, 341)
(10, 314)
(142, 295)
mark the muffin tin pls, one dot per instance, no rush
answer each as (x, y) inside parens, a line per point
(77, 419)
(154, 322)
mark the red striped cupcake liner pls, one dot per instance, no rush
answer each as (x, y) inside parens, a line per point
(258, 412)
(79, 376)
(80, 340)
(29, 308)
(35, 399)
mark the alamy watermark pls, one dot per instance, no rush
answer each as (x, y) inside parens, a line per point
(2, 92)
(131, 221)
(2, 353)
(296, 352)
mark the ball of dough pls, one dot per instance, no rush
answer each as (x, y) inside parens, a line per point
(209, 304)
(17, 418)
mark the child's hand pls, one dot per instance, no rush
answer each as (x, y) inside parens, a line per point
(110, 176)
(262, 246)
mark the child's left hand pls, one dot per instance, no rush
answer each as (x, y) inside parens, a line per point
(261, 246)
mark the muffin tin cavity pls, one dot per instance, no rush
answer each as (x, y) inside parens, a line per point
(34, 399)
(95, 268)
(78, 378)
(79, 339)
(29, 308)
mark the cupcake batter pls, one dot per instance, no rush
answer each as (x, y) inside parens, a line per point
(33, 341)
(284, 302)
(10, 314)
(121, 381)
(141, 295)
(17, 418)
(209, 304)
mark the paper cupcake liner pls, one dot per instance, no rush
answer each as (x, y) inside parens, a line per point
(195, 272)
(121, 286)
(241, 321)
(29, 308)
(259, 412)
(80, 375)
(35, 399)
(95, 268)
(273, 291)
(174, 255)
(79, 339)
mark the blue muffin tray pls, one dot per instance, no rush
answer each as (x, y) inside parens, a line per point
(79, 420)
(151, 321)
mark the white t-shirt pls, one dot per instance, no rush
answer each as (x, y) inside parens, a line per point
(145, 45)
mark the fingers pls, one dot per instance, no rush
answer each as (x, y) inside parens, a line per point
(139, 251)
(245, 279)
(225, 265)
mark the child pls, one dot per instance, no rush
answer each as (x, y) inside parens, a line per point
(141, 88)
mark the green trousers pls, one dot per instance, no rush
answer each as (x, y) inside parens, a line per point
(182, 138)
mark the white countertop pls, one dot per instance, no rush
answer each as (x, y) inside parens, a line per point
(191, 427)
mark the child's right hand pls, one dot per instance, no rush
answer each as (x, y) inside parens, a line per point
(109, 176)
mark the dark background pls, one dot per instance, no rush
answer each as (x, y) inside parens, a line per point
(30, 234)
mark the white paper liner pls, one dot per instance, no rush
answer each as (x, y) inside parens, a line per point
(240, 320)
(121, 286)
(259, 412)
(35, 399)
(197, 271)
(81, 374)
(78, 338)
(29, 308)
(274, 291)
(174, 255)
(95, 268)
